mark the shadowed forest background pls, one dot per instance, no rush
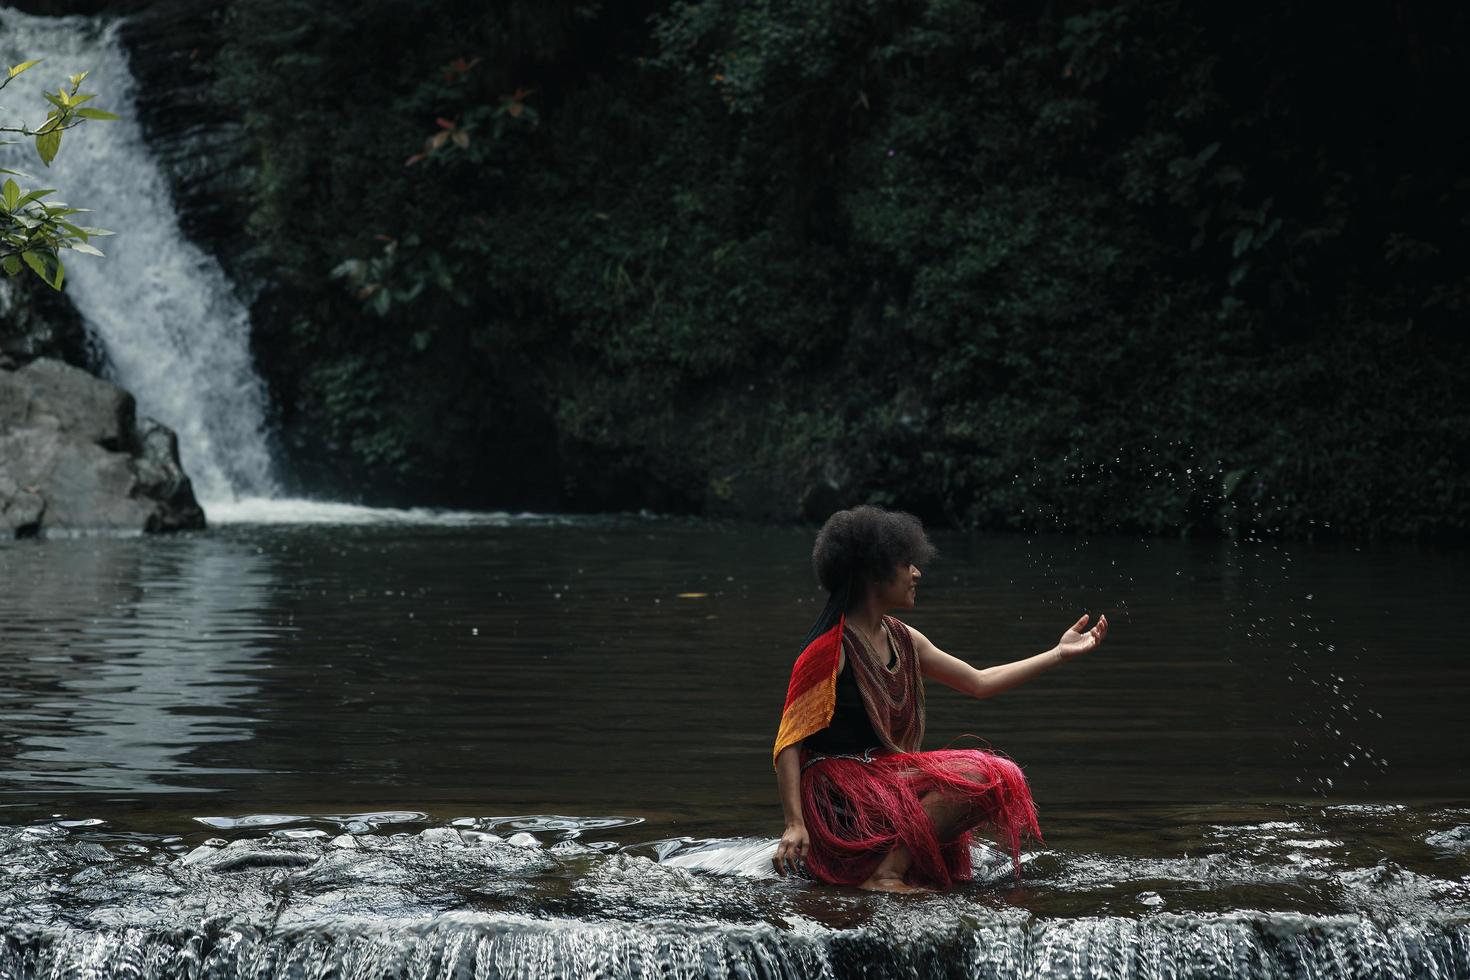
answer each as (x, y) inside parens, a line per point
(1136, 265)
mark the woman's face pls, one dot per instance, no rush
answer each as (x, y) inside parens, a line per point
(901, 588)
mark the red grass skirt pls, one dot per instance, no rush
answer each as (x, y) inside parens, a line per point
(856, 811)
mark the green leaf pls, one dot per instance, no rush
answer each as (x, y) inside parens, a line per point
(77, 78)
(11, 264)
(18, 173)
(46, 266)
(86, 249)
(17, 69)
(10, 193)
(47, 144)
(35, 196)
(90, 113)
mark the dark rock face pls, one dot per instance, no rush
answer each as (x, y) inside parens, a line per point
(74, 455)
(36, 321)
(199, 142)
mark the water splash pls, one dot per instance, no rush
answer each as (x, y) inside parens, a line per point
(1188, 488)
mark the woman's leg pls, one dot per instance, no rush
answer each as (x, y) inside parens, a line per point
(948, 817)
(950, 813)
(888, 875)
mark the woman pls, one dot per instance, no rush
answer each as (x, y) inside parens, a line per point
(864, 806)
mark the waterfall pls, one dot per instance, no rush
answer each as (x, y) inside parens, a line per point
(168, 320)
(463, 945)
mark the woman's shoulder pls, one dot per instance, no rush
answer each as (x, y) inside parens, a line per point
(892, 619)
(898, 627)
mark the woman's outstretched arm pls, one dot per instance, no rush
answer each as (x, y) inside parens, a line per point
(954, 672)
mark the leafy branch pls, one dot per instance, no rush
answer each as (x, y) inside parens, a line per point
(33, 231)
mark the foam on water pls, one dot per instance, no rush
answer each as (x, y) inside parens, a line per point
(271, 510)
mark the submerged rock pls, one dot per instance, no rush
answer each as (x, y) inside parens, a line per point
(523, 839)
(75, 456)
(241, 855)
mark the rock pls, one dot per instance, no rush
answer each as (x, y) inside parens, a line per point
(20, 508)
(195, 133)
(37, 321)
(238, 858)
(88, 408)
(74, 456)
(1456, 840)
(160, 477)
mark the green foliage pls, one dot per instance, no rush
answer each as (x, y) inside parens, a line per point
(1129, 266)
(32, 231)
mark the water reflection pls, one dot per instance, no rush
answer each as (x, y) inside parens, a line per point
(125, 659)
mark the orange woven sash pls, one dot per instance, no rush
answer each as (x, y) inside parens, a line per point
(811, 696)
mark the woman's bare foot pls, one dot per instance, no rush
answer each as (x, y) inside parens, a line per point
(890, 883)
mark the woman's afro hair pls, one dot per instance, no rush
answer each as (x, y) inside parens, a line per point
(865, 544)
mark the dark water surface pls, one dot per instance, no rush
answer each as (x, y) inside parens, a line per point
(1262, 773)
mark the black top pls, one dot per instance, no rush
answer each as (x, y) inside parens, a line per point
(851, 731)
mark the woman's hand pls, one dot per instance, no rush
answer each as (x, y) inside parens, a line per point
(792, 849)
(1075, 642)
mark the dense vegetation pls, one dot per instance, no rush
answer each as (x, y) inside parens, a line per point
(1131, 263)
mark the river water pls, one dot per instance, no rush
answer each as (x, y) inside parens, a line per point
(534, 746)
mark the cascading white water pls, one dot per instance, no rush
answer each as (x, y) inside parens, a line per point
(174, 332)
